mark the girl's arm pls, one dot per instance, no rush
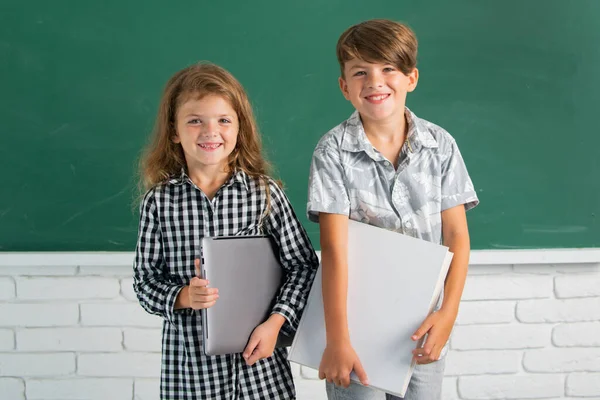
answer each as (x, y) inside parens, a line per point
(297, 257)
(155, 294)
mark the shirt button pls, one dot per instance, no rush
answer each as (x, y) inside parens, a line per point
(408, 225)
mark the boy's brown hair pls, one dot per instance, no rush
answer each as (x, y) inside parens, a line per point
(379, 40)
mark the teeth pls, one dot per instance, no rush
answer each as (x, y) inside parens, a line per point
(380, 97)
(209, 146)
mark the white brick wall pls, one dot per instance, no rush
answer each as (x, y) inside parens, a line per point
(523, 332)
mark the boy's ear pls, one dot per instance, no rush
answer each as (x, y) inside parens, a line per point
(344, 87)
(413, 79)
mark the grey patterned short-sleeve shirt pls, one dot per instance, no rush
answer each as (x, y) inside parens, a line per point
(349, 176)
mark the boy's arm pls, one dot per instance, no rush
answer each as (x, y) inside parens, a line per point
(334, 258)
(439, 325)
(339, 358)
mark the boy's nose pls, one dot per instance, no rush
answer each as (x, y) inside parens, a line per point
(375, 81)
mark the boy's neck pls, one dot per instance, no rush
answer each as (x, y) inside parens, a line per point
(390, 130)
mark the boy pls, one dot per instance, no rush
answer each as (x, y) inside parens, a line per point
(386, 167)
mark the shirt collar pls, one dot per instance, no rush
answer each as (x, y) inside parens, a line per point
(355, 138)
(238, 177)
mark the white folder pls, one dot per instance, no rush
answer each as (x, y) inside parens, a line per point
(394, 282)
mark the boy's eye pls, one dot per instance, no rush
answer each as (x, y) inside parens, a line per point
(388, 69)
(360, 73)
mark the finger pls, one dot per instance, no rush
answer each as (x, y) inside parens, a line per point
(198, 305)
(256, 355)
(360, 373)
(321, 374)
(197, 267)
(345, 380)
(423, 329)
(251, 346)
(197, 282)
(199, 298)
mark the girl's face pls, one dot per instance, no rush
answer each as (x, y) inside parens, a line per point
(207, 129)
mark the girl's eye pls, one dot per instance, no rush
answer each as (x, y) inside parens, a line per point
(194, 121)
(224, 121)
(360, 73)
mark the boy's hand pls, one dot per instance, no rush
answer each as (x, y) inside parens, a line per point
(263, 339)
(337, 363)
(437, 326)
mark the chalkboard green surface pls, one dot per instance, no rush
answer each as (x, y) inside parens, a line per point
(515, 82)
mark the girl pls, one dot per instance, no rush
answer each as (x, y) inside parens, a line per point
(205, 176)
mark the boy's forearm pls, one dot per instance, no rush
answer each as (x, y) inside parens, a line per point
(335, 292)
(458, 244)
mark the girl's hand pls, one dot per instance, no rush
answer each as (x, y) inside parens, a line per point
(437, 326)
(263, 339)
(337, 363)
(200, 296)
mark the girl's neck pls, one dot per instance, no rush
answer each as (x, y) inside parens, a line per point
(209, 178)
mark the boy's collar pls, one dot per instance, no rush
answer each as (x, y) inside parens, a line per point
(356, 138)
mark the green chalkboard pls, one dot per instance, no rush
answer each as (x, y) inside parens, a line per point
(515, 82)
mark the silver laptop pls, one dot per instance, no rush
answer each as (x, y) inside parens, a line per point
(247, 272)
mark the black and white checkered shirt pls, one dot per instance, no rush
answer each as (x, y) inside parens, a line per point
(173, 219)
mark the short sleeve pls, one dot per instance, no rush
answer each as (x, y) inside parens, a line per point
(457, 187)
(326, 186)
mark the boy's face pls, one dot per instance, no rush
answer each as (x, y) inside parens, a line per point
(377, 91)
(207, 129)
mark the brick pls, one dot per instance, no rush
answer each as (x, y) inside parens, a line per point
(38, 271)
(579, 285)
(582, 334)
(507, 287)
(482, 362)
(118, 314)
(7, 288)
(146, 389)
(79, 388)
(26, 364)
(536, 269)
(450, 388)
(295, 369)
(572, 310)
(486, 312)
(67, 288)
(518, 387)
(496, 337)
(309, 373)
(142, 339)
(576, 268)
(113, 271)
(70, 339)
(12, 388)
(143, 365)
(584, 384)
(489, 269)
(26, 314)
(310, 389)
(127, 289)
(562, 360)
(7, 339)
